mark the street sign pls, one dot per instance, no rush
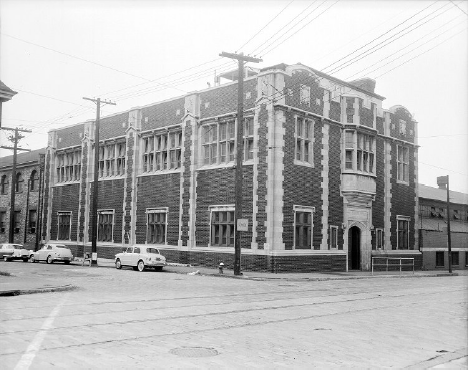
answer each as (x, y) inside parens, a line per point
(242, 224)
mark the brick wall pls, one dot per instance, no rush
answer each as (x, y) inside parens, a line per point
(162, 114)
(262, 178)
(65, 200)
(302, 184)
(114, 202)
(334, 186)
(155, 192)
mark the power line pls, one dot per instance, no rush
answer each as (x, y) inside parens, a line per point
(442, 168)
(276, 16)
(413, 49)
(383, 34)
(382, 44)
(289, 29)
(458, 7)
(269, 51)
(82, 59)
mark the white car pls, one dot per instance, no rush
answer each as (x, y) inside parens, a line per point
(13, 251)
(139, 258)
(52, 253)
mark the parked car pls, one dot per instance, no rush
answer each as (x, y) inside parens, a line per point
(139, 258)
(52, 253)
(10, 251)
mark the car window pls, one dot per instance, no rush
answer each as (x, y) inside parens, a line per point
(49, 247)
(152, 250)
(137, 250)
(129, 249)
(18, 247)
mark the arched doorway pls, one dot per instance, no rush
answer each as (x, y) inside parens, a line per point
(354, 248)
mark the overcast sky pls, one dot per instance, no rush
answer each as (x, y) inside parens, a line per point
(54, 53)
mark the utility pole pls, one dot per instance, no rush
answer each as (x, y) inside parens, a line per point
(444, 180)
(15, 149)
(94, 218)
(241, 58)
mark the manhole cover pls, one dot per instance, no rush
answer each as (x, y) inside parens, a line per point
(194, 352)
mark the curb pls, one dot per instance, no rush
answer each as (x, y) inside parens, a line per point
(15, 292)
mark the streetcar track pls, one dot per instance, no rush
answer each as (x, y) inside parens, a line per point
(126, 322)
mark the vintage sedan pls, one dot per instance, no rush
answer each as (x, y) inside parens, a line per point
(52, 253)
(10, 251)
(140, 258)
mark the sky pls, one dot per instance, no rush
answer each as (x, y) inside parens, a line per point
(134, 53)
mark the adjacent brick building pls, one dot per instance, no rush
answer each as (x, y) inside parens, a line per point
(329, 176)
(27, 198)
(433, 228)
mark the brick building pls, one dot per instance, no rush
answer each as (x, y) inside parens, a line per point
(27, 188)
(433, 227)
(329, 176)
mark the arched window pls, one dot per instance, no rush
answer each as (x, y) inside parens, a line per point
(33, 181)
(4, 185)
(19, 182)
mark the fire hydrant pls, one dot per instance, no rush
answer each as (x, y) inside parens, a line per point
(221, 267)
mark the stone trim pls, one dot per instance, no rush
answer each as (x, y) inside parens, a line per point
(324, 184)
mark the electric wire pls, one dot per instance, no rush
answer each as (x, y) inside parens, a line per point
(391, 39)
(273, 48)
(378, 37)
(276, 16)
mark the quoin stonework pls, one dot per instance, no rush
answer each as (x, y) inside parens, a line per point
(329, 176)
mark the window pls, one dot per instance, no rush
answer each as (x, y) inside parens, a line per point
(304, 135)
(156, 226)
(111, 160)
(32, 221)
(121, 147)
(403, 232)
(350, 110)
(455, 258)
(305, 95)
(466, 258)
(105, 225)
(219, 141)
(69, 166)
(4, 185)
(222, 228)
(33, 181)
(2, 221)
(403, 163)
(456, 214)
(333, 237)
(17, 221)
(379, 238)
(303, 226)
(64, 224)
(19, 183)
(162, 152)
(439, 259)
(359, 152)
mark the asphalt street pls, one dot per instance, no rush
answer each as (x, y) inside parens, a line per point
(126, 319)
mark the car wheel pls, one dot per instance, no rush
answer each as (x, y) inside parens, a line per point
(32, 259)
(5, 258)
(49, 259)
(118, 264)
(141, 265)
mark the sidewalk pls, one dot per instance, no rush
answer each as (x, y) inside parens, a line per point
(14, 285)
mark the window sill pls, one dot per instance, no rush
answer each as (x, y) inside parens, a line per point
(304, 164)
(352, 172)
(164, 172)
(403, 182)
(67, 183)
(250, 162)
